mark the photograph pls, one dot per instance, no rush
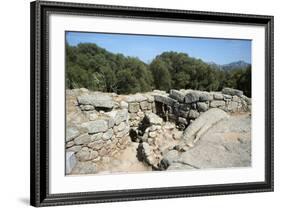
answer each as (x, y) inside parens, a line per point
(139, 103)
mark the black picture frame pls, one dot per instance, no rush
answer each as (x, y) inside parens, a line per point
(39, 177)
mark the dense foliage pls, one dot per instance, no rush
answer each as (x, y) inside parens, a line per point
(92, 67)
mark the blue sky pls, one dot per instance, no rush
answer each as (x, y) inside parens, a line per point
(145, 47)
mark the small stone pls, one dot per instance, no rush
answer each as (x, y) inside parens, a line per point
(70, 144)
(149, 106)
(235, 98)
(74, 148)
(177, 95)
(110, 122)
(191, 97)
(71, 133)
(107, 135)
(133, 116)
(193, 114)
(93, 116)
(124, 105)
(202, 106)
(144, 105)
(86, 154)
(121, 115)
(123, 133)
(96, 137)
(134, 107)
(83, 139)
(153, 119)
(121, 126)
(182, 121)
(217, 103)
(218, 96)
(87, 107)
(96, 145)
(103, 152)
(150, 141)
(232, 106)
(205, 96)
(140, 114)
(177, 135)
(169, 126)
(152, 134)
(230, 91)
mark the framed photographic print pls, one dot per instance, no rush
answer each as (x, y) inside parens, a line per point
(131, 103)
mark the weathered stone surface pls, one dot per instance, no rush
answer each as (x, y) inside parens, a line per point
(177, 135)
(98, 100)
(152, 134)
(123, 133)
(107, 135)
(230, 91)
(165, 100)
(124, 105)
(96, 145)
(110, 122)
(197, 128)
(96, 137)
(150, 98)
(121, 115)
(177, 95)
(182, 120)
(82, 139)
(121, 126)
(136, 98)
(217, 103)
(227, 97)
(93, 116)
(88, 167)
(144, 105)
(191, 97)
(218, 96)
(69, 144)
(235, 98)
(202, 106)
(232, 106)
(86, 154)
(134, 107)
(205, 96)
(70, 161)
(148, 155)
(99, 125)
(193, 114)
(153, 119)
(87, 107)
(118, 116)
(103, 151)
(248, 100)
(74, 148)
(71, 133)
(171, 156)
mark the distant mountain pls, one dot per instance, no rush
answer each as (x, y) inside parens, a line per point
(235, 65)
(230, 66)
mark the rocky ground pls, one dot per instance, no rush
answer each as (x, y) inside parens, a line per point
(225, 144)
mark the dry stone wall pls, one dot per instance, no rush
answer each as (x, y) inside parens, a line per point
(99, 125)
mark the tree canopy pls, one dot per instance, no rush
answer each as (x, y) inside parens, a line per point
(92, 67)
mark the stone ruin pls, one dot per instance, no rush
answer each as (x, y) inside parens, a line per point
(100, 125)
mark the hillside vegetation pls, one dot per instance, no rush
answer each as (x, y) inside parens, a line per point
(92, 67)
